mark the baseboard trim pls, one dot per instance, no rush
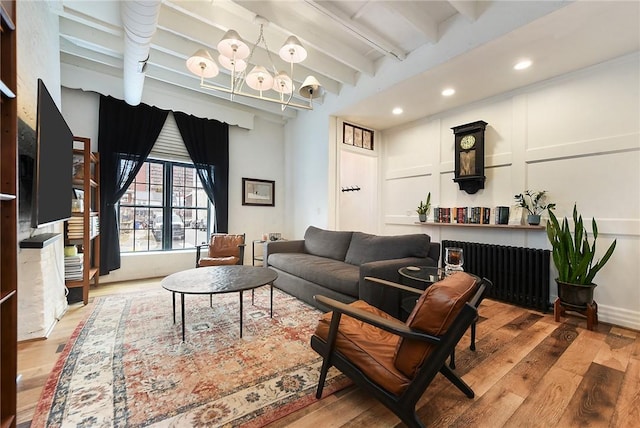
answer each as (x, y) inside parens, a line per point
(619, 317)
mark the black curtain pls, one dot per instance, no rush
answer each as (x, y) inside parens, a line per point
(126, 133)
(207, 142)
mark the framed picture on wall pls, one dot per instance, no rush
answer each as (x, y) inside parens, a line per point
(347, 134)
(357, 137)
(367, 139)
(353, 135)
(258, 192)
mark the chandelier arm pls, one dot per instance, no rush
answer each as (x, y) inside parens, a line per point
(257, 97)
(288, 102)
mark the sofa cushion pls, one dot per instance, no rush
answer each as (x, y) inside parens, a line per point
(332, 274)
(434, 312)
(327, 243)
(366, 248)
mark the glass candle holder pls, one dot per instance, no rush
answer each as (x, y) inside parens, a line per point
(453, 260)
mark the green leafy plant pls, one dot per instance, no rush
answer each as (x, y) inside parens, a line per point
(425, 206)
(573, 255)
(534, 201)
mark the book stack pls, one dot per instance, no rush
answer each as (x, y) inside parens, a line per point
(75, 228)
(442, 215)
(73, 267)
(463, 215)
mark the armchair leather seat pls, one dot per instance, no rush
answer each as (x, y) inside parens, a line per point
(369, 348)
(218, 261)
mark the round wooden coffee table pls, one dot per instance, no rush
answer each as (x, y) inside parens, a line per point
(216, 280)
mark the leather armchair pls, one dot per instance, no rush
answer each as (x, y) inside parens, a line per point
(222, 249)
(393, 360)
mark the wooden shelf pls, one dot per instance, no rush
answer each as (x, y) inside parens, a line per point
(89, 242)
(8, 215)
(486, 226)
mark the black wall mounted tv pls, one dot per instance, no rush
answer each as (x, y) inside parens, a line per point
(53, 163)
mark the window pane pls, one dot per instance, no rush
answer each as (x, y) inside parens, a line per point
(156, 173)
(177, 229)
(142, 194)
(126, 229)
(178, 197)
(189, 218)
(202, 237)
(156, 225)
(143, 174)
(202, 199)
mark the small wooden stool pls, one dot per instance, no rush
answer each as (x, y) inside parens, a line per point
(591, 312)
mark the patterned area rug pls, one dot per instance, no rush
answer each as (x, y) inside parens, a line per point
(126, 364)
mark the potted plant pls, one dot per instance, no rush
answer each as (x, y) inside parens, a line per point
(573, 256)
(535, 204)
(423, 208)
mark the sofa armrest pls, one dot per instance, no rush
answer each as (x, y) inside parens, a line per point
(386, 298)
(272, 247)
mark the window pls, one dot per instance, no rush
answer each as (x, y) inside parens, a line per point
(164, 208)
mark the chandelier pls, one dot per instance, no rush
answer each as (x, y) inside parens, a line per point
(235, 55)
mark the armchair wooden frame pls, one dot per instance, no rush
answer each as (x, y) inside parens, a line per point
(402, 405)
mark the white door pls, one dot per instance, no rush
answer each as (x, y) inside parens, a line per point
(357, 209)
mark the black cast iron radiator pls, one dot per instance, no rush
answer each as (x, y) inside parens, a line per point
(519, 275)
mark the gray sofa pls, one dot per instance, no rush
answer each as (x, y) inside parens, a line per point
(334, 264)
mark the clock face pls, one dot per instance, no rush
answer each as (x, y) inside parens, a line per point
(467, 142)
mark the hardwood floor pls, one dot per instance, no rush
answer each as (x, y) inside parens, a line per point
(527, 370)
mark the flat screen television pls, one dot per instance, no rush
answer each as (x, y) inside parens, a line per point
(53, 163)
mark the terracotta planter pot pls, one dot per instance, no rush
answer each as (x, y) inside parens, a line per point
(578, 296)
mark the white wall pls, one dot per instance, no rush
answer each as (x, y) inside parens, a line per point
(576, 136)
(254, 153)
(41, 290)
(309, 178)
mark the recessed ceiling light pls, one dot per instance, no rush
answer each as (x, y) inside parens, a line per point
(524, 64)
(448, 92)
(397, 110)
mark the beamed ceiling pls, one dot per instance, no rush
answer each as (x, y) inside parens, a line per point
(374, 54)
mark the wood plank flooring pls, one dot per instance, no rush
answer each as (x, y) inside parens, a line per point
(527, 371)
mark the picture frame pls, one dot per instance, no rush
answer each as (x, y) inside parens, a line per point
(357, 136)
(78, 193)
(516, 215)
(258, 192)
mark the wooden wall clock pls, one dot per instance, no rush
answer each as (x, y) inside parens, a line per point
(469, 154)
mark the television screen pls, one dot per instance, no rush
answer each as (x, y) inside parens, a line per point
(52, 194)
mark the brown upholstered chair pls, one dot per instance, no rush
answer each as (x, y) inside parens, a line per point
(222, 249)
(393, 360)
